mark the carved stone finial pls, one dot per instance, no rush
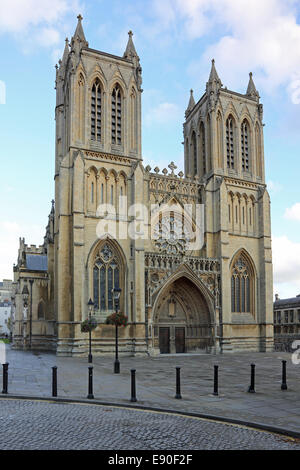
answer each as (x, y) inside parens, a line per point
(165, 171)
(172, 167)
(156, 169)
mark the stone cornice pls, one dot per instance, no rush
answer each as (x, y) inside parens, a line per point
(94, 155)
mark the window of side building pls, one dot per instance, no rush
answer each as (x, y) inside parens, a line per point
(286, 316)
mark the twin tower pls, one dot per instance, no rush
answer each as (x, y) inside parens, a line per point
(216, 296)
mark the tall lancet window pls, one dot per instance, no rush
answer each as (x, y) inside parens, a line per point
(106, 276)
(245, 145)
(242, 286)
(194, 153)
(258, 151)
(230, 143)
(96, 111)
(202, 147)
(133, 120)
(80, 107)
(116, 115)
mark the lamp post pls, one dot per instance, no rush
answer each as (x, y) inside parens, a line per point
(116, 295)
(91, 307)
(30, 318)
(25, 295)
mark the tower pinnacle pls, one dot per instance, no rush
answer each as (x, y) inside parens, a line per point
(251, 90)
(130, 51)
(191, 104)
(79, 37)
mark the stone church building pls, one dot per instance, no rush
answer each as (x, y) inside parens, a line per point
(118, 223)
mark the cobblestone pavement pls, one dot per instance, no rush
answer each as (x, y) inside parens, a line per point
(33, 425)
(30, 374)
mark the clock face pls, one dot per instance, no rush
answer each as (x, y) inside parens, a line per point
(172, 233)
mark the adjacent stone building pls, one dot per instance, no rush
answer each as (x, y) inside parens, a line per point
(286, 323)
(118, 223)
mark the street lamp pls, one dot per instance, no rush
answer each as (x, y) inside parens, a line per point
(116, 295)
(30, 318)
(91, 307)
(25, 296)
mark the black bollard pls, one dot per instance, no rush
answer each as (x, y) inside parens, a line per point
(216, 382)
(133, 388)
(54, 381)
(90, 394)
(5, 377)
(178, 394)
(251, 389)
(283, 384)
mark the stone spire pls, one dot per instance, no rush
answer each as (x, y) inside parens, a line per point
(213, 87)
(130, 51)
(190, 105)
(251, 90)
(131, 54)
(214, 77)
(78, 40)
(66, 51)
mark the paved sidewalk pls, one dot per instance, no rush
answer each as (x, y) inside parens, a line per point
(30, 374)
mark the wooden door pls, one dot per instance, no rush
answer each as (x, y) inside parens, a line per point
(180, 340)
(164, 340)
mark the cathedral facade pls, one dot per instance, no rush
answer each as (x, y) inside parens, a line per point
(191, 252)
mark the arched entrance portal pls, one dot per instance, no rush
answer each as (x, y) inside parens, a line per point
(182, 320)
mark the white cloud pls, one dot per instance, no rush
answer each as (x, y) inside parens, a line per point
(257, 35)
(35, 22)
(162, 114)
(293, 213)
(286, 263)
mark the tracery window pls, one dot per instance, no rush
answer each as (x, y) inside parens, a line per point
(106, 276)
(230, 142)
(116, 115)
(245, 145)
(241, 287)
(96, 111)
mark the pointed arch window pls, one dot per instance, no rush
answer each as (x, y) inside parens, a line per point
(133, 133)
(202, 147)
(245, 145)
(41, 310)
(116, 115)
(242, 286)
(258, 151)
(230, 143)
(194, 153)
(220, 139)
(106, 276)
(96, 104)
(80, 107)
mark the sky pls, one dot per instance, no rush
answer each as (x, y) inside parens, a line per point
(175, 40)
